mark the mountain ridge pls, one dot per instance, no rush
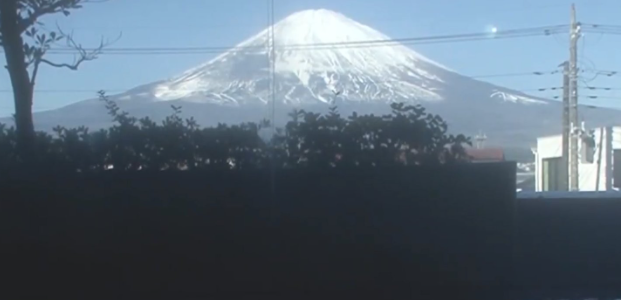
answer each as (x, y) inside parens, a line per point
(234, 86)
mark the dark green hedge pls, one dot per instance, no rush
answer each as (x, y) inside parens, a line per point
(409, 135)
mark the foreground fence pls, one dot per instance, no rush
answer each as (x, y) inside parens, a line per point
(256, 233)
(312, 233)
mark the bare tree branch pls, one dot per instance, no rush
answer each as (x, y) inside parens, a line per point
(81, 56)
(74, 66)
(43, 42)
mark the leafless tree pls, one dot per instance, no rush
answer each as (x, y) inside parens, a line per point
(26, 43)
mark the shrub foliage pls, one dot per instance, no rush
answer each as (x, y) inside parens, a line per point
(407, 136)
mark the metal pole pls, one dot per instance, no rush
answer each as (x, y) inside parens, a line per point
(271, 53)
(566, 128)
(573, 101)
(273, 65)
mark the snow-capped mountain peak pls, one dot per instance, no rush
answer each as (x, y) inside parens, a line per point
(330, 31)
(316, 52)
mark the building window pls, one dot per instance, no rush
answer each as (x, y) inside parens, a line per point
(616, 168)
(554, 177)
(587, 155)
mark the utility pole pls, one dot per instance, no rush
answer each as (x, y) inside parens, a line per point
(566, 128)
(574, 35)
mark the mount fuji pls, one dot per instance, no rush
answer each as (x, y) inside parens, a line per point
(323, 58)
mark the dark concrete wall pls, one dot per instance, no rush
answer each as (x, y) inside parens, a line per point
(234, 233)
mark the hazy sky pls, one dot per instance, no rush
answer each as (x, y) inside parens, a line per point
(211, 23)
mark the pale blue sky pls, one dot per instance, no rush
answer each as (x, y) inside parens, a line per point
(207, 23)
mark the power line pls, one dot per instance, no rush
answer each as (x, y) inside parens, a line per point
(516, 33)
(600, 97)
(69, 91)
(122, 90)
(601, 28)
(606, 73)
(546, 89)
(542, 89)
(602, 88)
(423, 16)
(534, 73)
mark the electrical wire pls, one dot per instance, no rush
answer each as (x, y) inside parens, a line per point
(534, 73)
(561, 88)
(272, 68)
(122, 90)
(272, 47)
(601, 28)
(542, 89)
(452, 38)
(602, 97)
(584, 57)
(68, 91)
(601, 88)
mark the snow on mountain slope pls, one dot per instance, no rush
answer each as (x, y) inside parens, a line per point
(505, 96)
(307, 72)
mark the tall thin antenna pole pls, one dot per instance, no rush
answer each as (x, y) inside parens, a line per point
(566, 128)
(272, 91)
(273, 67)
(573, 101)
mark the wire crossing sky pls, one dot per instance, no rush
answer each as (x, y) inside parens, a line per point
(452, 38)
(162, 38)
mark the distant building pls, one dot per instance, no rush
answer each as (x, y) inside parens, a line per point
(479, 155)
(525, 179)
(599, 166)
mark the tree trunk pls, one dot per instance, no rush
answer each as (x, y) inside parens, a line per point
(20, 79)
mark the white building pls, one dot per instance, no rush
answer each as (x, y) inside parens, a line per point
(598, 153)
